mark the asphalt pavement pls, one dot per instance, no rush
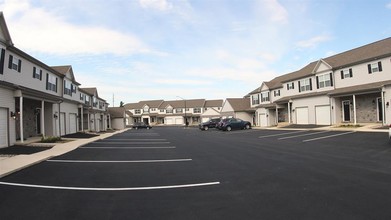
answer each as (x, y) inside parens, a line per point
(177, 173)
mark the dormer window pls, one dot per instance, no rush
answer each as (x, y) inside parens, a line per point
(305, 85)
(255, 99)
(325, 80)
(265, 97)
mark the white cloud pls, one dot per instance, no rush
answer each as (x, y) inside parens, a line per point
(183, 82)
(50, 33)
(161, 5)
(312, 42)
(276, 11)
(388, 5)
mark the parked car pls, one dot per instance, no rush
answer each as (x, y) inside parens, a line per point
(139, 125)
(209, 124)
(389, 133)
(221, 122)
(235, 123)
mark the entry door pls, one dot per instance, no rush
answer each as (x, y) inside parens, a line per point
(346, 110)
(379, 109)
(3, 127)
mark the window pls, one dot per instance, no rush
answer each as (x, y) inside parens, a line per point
(305, 85)
(73, 88)
(162, 110)
(347, 73)
(67, 88)
(100, 104)
(169, 110)
(179, 110)
(265, 97)
(146, 109)
(51, 82)
(197, 110)
(374, 67)
(37, 73)
(15, 63)
(277, 93)
(94, 102)
(290, 86)
(87, 99)
(153, 109)
(325, 80)
(255, 99)
(137, 111)
(81, 97)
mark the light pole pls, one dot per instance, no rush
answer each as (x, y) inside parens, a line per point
(185, 110)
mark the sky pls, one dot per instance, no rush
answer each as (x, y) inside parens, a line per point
(135, 50)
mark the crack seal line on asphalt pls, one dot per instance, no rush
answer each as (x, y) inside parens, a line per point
(119, 161)
(111, 189)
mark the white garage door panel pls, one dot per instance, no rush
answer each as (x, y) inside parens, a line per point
(302, 115)
(179, 121)
(3, 128)
(263, 120)
(72, 123)
(169, 121)
(62, 121)
(322, 115)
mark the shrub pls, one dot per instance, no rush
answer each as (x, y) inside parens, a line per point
(50, 139)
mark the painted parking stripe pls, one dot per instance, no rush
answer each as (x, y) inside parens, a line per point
(112, 189)
(119, 161)
(130, 139)
(329, 136)
(119, 143)
(281, 134)
(301, 135)
(127, 147)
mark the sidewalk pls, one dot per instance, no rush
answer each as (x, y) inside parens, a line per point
(12, 164)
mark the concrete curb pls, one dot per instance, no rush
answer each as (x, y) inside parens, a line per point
(16, 163)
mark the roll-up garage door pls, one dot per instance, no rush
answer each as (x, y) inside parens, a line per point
(179, 121)
(72, 123)
(3, 128)
(263, 120)
(323, 115)
(62, 123)
(302, 115)
(169, 121)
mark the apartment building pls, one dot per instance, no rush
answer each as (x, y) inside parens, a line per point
(349, 87)
(175, 112)
(238, 108)
(36, 99)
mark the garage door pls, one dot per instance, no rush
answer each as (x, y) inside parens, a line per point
(262, 120)
(179, 121)
(169, 121)
(322, 114)
(62, 123)
(302, 115)
(3, 128)
(72, 123)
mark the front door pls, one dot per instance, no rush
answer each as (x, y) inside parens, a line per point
(346, 110)
(379, 109)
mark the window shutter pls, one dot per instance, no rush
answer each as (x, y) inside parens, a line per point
(19, 65)
(261, 97)
(10, 62)
(310, 84)
(293, 85)
(331, 79)
(47, 81)
(34, 69)
(56, 85)
(317, 82)
(287, 86)
(2, 61)
(380, 67)
(350, 72)
(299, 86)
(40, 75)
(369, 69)
(342, 76)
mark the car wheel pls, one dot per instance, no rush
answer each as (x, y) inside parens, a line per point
(247, 126)
(228, 128)
(147, 128)
(206, 128)
(136, 128)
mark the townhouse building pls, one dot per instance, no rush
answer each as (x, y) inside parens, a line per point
(238, 108)
(175, 112)
(36, 99)
(94, 113)
(350, 87)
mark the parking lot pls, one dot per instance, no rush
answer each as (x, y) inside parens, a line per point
(177, 173)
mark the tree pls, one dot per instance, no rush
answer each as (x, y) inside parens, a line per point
(121, 104)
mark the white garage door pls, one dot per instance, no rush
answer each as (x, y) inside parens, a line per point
(3, 128)
(262, 120)
(179, 121)
(62, 123)
(72, 123)
(323, 115)
(302, 115)
(169, 121)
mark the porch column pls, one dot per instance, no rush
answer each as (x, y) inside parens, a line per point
(289, 112)
(89, 121)
(276, 115)
(43, 118)
(383, 107)
(354, 110)
(81, 118)
(21, 118)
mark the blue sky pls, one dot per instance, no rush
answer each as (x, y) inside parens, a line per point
(213, 49)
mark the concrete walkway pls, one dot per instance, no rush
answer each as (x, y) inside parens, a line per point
(12, 164)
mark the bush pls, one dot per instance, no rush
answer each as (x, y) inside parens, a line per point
(50, 139)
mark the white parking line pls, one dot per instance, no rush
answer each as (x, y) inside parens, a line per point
(273, 135)
(334, 135)
(128, 147)
(111, 189)
(126, 143)
(130, 139)
(119, 161)
(301, 135)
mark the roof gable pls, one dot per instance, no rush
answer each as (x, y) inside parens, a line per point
(5, 36)
(321, 66)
